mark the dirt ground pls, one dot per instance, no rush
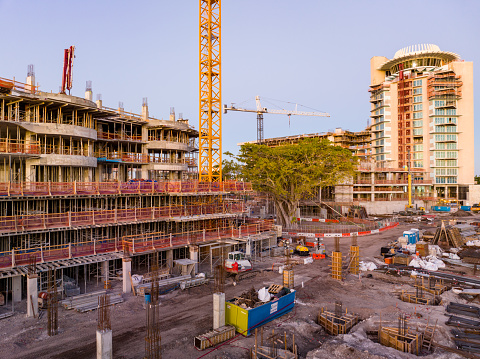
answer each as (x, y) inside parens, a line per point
(189, 313)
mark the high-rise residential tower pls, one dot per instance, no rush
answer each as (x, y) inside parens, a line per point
(422, 116)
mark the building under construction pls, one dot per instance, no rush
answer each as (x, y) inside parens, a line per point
(81, 184)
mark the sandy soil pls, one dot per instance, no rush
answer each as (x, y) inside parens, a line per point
(189, 313)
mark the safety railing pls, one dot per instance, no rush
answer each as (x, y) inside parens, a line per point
(19, 86)
(118, 136)
(36, 189)
(133, 244)
(19, 146)
(20, 223)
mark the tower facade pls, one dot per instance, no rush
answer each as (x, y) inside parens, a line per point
(422, 116)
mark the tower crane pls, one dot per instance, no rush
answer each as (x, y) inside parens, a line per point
(261, 110)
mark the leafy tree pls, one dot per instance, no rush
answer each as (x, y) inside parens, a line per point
(477, 179)
(231, 169)
(290, 173)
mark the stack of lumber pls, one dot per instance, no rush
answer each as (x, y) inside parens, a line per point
(448, 237)
(89, 301)
(143, 288)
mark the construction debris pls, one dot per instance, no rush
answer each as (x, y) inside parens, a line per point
(448, 237)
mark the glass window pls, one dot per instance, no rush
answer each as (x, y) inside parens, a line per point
(417, 91)
(417, 99)
(417, 115)
(417, 83)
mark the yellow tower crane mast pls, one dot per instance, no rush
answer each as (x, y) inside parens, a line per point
(261, 110)
(210, 117)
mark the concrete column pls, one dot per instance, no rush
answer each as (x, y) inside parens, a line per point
(104, 344)
(126, 270)
(105, 266)
(32, 295)
(17, 288)
(194, 256)
(170, 258)
(218, 310)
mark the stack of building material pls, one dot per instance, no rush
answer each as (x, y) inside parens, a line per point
(143, 288)
(448, 237)
(193, 282)
(466, 334)
(87, 302)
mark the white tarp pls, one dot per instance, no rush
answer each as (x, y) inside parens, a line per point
(366, 266)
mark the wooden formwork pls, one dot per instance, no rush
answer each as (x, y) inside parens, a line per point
(408, 343)
(337, 265)
(430, 284)
(288, 278)
(336, 324)
(419, 299)
(354, 264)
(214, 337)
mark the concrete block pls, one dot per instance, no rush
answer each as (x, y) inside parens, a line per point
(218, 310)
(32, 296)
(126, 270)
(17, 288)
(104, 344)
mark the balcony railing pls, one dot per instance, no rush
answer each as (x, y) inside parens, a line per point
(148, 242)
(21, 223)
(118, 136)
(26, 189)
(19, 146)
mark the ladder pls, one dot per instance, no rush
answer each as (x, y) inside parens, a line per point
(428, 336)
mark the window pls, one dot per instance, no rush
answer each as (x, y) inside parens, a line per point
(417, 91)
(451, 171)
(440, 171)
(418, 131)
(418, 123)
(439, 128)
(417, 115)
(451, 154)
(439, 154)
(443, 111)
(418, 107)
(439, 103)
(439, 146)
(439, 137)
(440, 179)
(451, 179)
(417, 83)
(417, 99)
(418, 147)
(418, 156)
(439, 120)
(451, 137)
(418, 164)
(451, 128)
(451, 146)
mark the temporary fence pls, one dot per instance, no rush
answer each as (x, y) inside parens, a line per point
(20, 223)
(134, 244)
(357, 227)
(36, 189)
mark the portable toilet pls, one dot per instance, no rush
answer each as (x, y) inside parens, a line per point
(417, 234)
(411, 236)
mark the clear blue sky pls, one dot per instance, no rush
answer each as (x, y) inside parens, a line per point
(312, 52)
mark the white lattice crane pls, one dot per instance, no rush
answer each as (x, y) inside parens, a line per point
(261, 110)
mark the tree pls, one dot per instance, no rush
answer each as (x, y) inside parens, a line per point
(231, 169)
(290, 173)
(477, 179)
